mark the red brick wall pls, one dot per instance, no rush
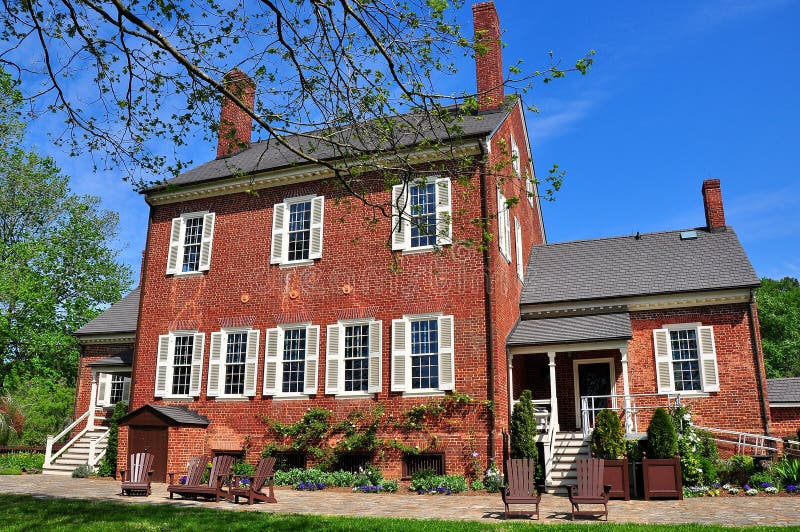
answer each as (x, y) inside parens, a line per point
(489, 66)
(785, 422)
(737, 405)
(92, 353)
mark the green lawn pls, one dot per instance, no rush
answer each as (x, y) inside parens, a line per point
(20, 512)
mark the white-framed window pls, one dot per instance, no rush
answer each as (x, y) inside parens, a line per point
(686, 358)
(233, 363)
(422, 353)
(353, 357)
(516, 163)
(421, 214)
(503, 226)
(179, 366)
(112, 388)
(291, 359)
(518, 249)
(190, 243)
(297, 230)
(530, 189)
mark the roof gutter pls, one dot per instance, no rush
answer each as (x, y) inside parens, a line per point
(755, 342)
(487, 308)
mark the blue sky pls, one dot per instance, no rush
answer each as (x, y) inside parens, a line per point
(680, 91)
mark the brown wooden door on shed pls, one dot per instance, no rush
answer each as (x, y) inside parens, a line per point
(151, 440)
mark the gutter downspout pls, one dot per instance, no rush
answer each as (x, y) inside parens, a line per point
(487, 289)
(755, 342)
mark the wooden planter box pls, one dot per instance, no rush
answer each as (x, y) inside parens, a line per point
(662, 478)
(615, 474)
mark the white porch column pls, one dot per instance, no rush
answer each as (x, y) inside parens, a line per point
(92, 401)
(623, 353)
(553, 401)
(510, 386)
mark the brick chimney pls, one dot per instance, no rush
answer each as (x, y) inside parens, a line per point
(235, 125)
(712, 201)
(488, 65)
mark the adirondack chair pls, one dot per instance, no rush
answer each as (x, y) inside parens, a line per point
(590, 488)
(254, 492)
(521, 489)
(220, 470)
(140, 471)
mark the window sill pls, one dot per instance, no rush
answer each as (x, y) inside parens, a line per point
(230, 399)
(363, 395)
(187, 274)
(697, 394)
(422, 249)
(425, 393)
(180, 398)
(289, 397)
(297, 264)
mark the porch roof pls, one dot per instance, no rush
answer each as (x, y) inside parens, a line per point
(124, 358)
(171, 415)
(121, 317)
(784, 391)
(572, 329)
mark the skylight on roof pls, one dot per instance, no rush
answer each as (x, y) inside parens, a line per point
(688, 235)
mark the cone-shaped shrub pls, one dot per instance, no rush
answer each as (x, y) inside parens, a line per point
(608, 438)
(663, 441)
(523, 428)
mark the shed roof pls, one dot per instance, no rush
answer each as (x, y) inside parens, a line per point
(647, 264)
(172, 415)
(783, 390)
(572, 329)
(125, 358)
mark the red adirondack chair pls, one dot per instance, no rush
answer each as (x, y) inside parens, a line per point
(521, 489)
(220, 471)
(254, 491)
(140, 471)
(590, 488)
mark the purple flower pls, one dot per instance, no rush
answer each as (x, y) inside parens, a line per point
(475, 454)
(182, 480)
(792, 488)
(765, 485)
(716, 485)
(747, 487)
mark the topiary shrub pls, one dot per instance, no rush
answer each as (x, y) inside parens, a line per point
(661, 436)
(108, 467)
(523, 428)
(608, 437)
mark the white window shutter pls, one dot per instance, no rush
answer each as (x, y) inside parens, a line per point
(400, 353)
(333, 358)
(126, 390)
(205, 245)
(279, 222)
(708, 358)
(173, 257)
(375, 370)
(214, 364)
(518, 248)
(529, 190)
(103, 389)
(272, 347)
(312, 359)
(251, 362)
(198, 347)
(515, 162)
(664, 377)
(444, 222)
(162, 364)
(447, 376)
(401, 228)
(317, 216)
(502, 225)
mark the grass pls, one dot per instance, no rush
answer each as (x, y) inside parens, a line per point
(22, 512)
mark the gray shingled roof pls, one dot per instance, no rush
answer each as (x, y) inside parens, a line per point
(786, 390)
(125, 358)
(178, 415)
(270, 155)
(655, 263)
(121, 317)
(572, 329)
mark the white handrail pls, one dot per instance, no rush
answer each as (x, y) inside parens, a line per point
(745, 440)
(93, 460)
(48, 455)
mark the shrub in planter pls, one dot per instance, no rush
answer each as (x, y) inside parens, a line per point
(661, 468)
(608, 443)
(523, 428)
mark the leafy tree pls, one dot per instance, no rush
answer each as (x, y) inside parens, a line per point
(523, 428)
(333, 71)
(45, 404)
(58, 267)
(779, 317)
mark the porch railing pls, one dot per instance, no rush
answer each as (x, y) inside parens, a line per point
(627, 406)
(94, 455)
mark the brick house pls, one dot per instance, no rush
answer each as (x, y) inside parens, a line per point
(265, 294)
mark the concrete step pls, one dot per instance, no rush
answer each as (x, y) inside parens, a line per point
(73, 456)
(59, 472)
(73, 462)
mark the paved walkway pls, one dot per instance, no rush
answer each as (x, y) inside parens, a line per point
(738, 511)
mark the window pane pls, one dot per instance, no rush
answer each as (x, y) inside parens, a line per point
(356, 358)
(294, 356)
(182, 364)
(424, 354)
(191, 244)
(117, 384)
(423, 215)
(234, 363)
(299, 230)
(685, 360)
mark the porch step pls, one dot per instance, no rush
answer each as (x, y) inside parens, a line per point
(567, 449)
(77, 454)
